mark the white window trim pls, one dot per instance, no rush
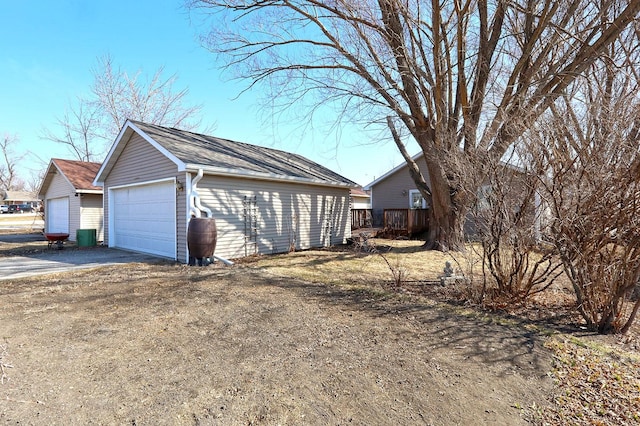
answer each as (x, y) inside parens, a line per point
(416, 191)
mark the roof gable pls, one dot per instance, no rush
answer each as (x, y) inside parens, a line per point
(392, 171)
(416, 157)
(193, 151)
(79, 175)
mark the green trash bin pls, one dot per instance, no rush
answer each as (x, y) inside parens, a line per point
(86, 237)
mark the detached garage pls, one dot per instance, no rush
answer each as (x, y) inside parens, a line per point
(70, 199)
(263, 200)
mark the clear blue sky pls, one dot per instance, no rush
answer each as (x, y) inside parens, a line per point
(47, 50)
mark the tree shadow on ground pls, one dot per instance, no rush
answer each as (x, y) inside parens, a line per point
(505, 344)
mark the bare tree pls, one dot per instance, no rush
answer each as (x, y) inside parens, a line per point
(80, 130)
(9, 177)
(119, 96)
(91, 123)
(462, 78)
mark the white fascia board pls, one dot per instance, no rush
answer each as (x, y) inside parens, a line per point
(99, 179)
(118, 146)
(390, 172)
(45, 180)
(156, 145)
(218, 171)
(90, 191)
(415, 157)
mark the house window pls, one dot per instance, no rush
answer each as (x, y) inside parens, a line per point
(416, 201)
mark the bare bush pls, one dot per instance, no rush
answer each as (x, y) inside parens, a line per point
(506, 218)
(589, 166)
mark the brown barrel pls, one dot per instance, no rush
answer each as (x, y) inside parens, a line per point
(202, 236)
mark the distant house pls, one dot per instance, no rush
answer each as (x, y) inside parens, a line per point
(71, 200)
(263, 200)
(360, 199)
(395, 191)
(397, 203)
(18, 197)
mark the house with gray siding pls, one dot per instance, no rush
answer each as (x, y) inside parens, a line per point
(70, 199)
(263, 200)
(397, 190)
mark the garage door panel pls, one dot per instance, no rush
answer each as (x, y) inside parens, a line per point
(57, 215)
(144, 218)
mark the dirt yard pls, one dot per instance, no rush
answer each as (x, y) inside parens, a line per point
(170, 344)
(307, 338)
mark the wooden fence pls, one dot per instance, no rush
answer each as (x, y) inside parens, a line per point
(361, 218)
(406, 221)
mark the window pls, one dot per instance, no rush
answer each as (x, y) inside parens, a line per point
(416, 201)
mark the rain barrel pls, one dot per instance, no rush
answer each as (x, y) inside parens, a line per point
(202, 236)
(85, 237)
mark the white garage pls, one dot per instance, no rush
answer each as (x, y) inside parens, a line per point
(57, 215)
(143, 218)
(264, 201)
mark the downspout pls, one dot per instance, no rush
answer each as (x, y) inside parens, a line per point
(194, 198)
(196, 207)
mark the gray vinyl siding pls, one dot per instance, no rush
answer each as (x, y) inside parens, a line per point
(287, 214)
(139, 162)
(182, 218)
(91, 214)
(392, 192)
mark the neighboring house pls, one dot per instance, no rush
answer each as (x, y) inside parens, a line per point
(71, 200)
(360, 199)
(18, 197)
(396, 190)
(263, 200)
(360, 209)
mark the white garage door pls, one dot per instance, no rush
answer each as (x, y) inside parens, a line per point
(57, 215)
(143, 218)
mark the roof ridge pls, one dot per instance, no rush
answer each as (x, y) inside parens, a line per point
(218, 138)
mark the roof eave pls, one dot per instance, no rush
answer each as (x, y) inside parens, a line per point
(218, 171)
(52, 169)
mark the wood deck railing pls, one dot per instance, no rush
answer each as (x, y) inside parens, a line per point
(406, 221)
(361, 218)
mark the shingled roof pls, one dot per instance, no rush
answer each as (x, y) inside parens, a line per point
(79, 174)
(214, 155)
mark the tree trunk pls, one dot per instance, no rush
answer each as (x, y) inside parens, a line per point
(446, 229)
(447, 212)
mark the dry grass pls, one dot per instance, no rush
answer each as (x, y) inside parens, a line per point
(347, 266)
